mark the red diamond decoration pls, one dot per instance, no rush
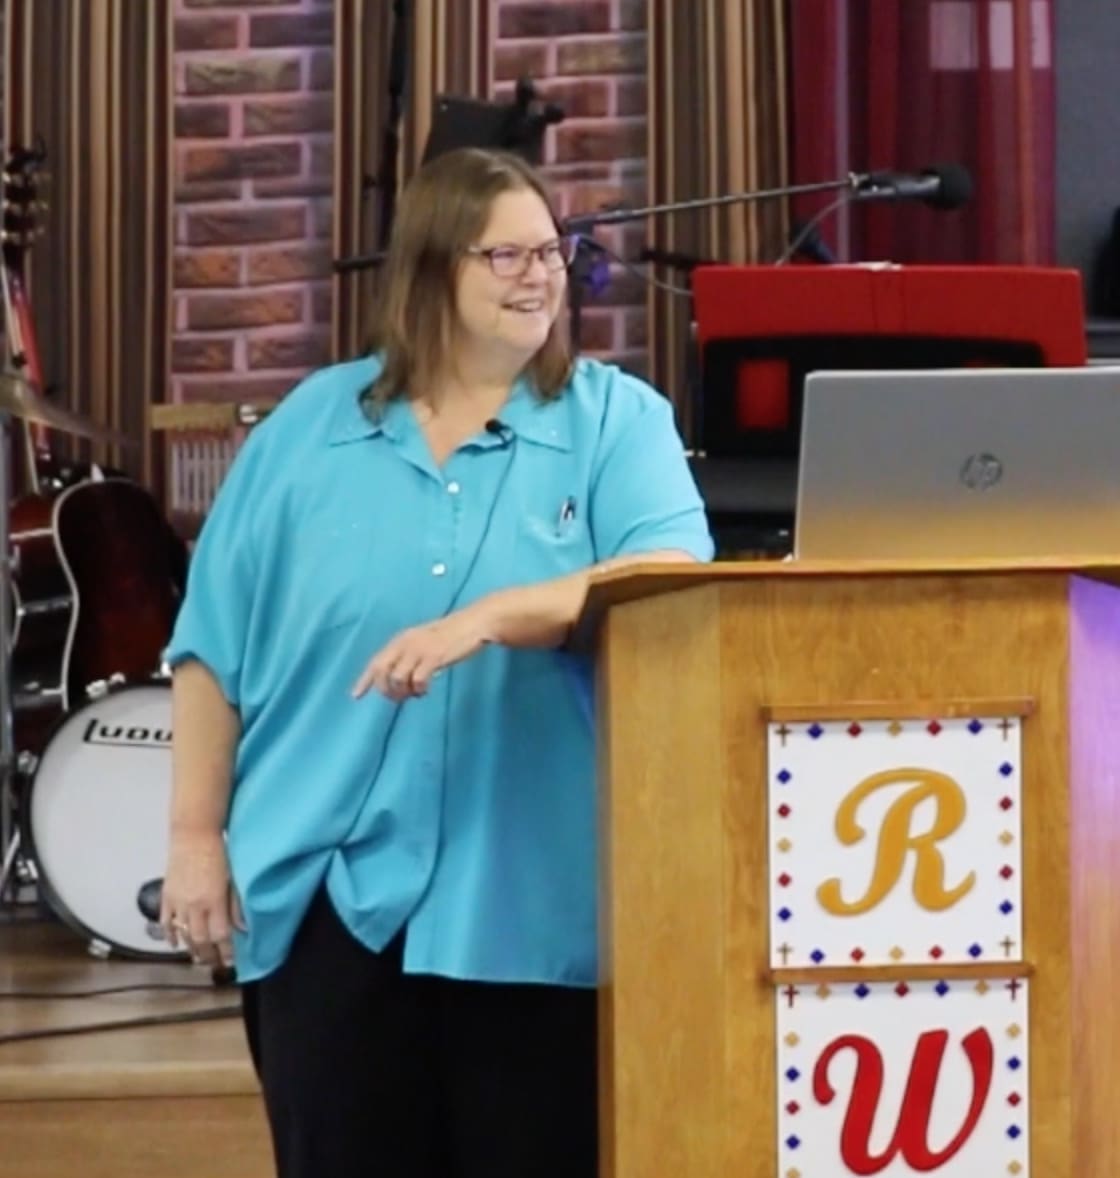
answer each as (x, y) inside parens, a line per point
(937, 952)
(1006, 804)
(857, 955)
(1006, 872)
(1014, 1100)
(785, 880)
(784, 811)
(902, 989)
(933, 728)
(793, 1108)
(854, 729)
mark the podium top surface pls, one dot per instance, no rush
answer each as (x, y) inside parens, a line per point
(631, 582)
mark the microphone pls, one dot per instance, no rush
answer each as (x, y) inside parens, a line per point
(500, 430)
(944, 186)
(149, 900)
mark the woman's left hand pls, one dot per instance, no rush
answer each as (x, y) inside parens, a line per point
(405, 666)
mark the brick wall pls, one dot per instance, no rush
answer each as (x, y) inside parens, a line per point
(589, 57)
(253, 118)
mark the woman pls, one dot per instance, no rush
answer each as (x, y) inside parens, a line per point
(384, 786)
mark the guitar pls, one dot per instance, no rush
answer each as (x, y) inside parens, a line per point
(98, 571)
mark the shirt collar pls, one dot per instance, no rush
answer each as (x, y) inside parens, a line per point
(544, 423)
(357, 418)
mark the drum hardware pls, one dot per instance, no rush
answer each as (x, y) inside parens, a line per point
(78, 550)
(20, 379)
(101, 687)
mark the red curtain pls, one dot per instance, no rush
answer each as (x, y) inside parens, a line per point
(902, 85)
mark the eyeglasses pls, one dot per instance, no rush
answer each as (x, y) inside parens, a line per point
(512, 261)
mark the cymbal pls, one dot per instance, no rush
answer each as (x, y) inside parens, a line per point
(21, 399)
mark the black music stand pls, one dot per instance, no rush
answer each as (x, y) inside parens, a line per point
(517, 126)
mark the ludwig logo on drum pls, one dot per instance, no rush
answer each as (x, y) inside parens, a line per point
(138, 736)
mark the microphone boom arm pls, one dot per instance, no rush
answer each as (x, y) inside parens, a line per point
(586, 221)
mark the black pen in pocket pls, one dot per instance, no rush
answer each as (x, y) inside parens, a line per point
(567, 515)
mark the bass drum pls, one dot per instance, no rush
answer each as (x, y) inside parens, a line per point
(96, 817)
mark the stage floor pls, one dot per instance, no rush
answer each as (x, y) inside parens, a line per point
(152, 1102)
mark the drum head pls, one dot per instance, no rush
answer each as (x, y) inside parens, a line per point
(98, 813)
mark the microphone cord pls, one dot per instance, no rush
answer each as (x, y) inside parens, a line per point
(686, 292)
(807, 230)
(634, 269)
(211, 1014)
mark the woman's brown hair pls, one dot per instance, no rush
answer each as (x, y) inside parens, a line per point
(443, 210)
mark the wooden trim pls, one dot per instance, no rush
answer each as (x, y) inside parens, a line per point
(842, 975)
(206, 415)
(958, 709)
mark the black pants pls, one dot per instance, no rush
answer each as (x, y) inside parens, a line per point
(371, 1073)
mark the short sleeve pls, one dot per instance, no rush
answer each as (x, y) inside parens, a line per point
(213, 621)
(644, 498)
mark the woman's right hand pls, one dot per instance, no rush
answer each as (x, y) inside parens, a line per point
(199, 907)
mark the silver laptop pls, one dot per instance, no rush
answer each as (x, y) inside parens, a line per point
(961, 463)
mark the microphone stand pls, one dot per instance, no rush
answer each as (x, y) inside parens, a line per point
(386, 179)
(585, 224)
(390, 141)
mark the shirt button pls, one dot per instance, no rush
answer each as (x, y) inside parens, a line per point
(439, 568)
(453, 488)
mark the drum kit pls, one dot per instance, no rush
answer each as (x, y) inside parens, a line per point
(90, 578)
(84, 811)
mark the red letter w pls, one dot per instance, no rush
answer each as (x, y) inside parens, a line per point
(911, 1135)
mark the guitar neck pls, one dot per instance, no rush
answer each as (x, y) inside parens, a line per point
(22, 206)
(26, 360)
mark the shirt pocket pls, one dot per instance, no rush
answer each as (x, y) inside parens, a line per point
(548, 548)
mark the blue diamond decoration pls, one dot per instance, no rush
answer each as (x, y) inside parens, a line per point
(1014, 1063)
(1014, 1132)
(792, 1075)
(942, 989)
(975, 727)
(816, 731)
(784, 914)
(816, 956)
(793, 1142)
(1006, 769)
(1007, 908)
(975, 951)
(785, 777)
(862, 991)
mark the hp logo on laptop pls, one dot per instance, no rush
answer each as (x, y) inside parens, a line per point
(981, 472)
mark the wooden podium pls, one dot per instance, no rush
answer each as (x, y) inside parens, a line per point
(720, 687)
